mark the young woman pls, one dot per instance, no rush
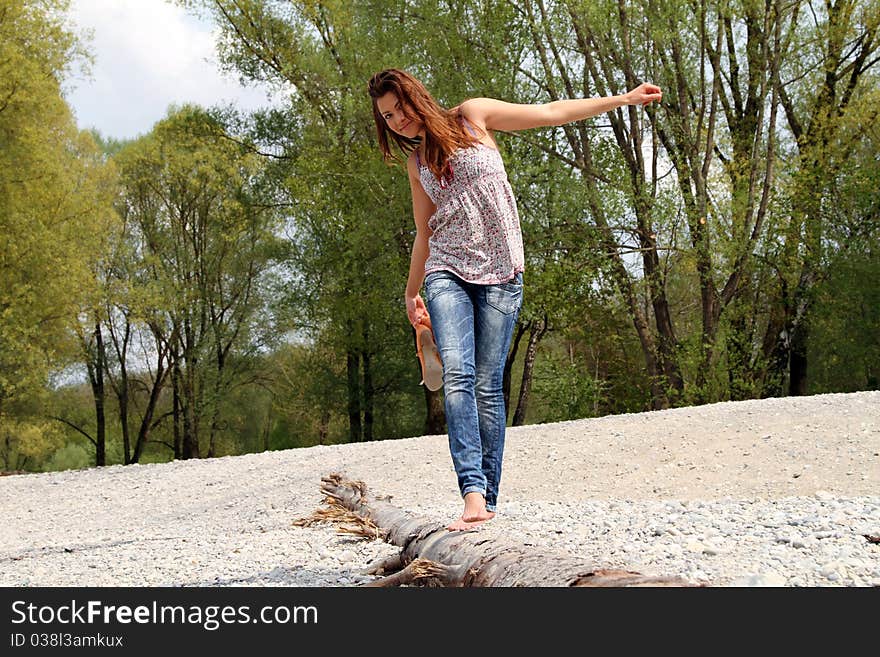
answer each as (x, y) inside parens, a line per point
(468, 252)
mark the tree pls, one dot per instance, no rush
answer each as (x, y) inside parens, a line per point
(54, 213)
(829, 102)
(843, 345)
(205, 232)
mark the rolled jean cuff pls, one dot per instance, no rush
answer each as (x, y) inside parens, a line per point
(490, 507)
(473, 489)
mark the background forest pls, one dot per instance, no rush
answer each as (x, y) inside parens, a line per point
(233, 282)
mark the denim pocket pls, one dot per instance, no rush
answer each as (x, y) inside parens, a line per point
(505, 297)
(435, 283)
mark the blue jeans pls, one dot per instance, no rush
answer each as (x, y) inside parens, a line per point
(473, 325)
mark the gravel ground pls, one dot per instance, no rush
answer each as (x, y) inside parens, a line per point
(778, 492)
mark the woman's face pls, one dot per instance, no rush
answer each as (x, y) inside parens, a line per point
(399, 116)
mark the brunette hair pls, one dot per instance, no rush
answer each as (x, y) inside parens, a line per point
(444, 132)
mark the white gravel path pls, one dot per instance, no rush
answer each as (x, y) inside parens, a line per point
(777, 492)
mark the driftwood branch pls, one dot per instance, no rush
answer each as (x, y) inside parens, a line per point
(432, 555)
(384, 566)
(420, 572)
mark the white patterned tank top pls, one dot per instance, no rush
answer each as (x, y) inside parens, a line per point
(476, 229)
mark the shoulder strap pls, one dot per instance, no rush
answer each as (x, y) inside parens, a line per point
(467, 124)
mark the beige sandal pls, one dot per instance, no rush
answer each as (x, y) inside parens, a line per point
(429, 356)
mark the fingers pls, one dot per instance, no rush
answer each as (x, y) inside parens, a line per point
(416, 310)
(653, 93)
(648, 93)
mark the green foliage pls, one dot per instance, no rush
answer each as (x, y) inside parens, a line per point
(845, 329)
(566, 391)
(55, 209)
(845, 337)
(70, 457)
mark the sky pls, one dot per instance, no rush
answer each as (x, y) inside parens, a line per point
(148, 54)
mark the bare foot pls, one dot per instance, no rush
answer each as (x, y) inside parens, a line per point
(461, 525)
(475, 508)
(475, 513)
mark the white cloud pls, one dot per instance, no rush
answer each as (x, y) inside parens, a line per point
(148, 55)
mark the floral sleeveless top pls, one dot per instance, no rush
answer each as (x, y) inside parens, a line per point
(476, 229)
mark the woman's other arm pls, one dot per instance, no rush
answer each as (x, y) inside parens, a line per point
(423, 208)
(493, 114)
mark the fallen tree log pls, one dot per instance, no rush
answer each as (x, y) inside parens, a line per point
(431, 555)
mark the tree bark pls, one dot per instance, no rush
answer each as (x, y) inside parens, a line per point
(190, 393)
(537, 329)
(354, 397)
(435, 419)
(215, 405)
(267, 427)
(95, 365)
(511, 359)
(369, 393)
(175, 405)
(797, 364)
(461, 559)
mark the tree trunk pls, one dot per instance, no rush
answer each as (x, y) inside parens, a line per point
(175, 407)
(324, 428)
(537, 329)
(797, 360)
(368, 388)
(121, 388)
(511, 359)
(776, 354)
(95, 367)
(435, 420)
(354, 398)
(785, 342)
(7, 452)
(123, 419)
(215, 415)
(212, 433)
(462, 559)
(190, 448)
(267, 427)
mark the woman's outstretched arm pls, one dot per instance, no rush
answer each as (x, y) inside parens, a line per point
(495, 114)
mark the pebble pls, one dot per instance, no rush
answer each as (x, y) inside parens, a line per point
(762, 579)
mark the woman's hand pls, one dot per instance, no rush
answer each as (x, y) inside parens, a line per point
(415, 309)
(644, 94)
